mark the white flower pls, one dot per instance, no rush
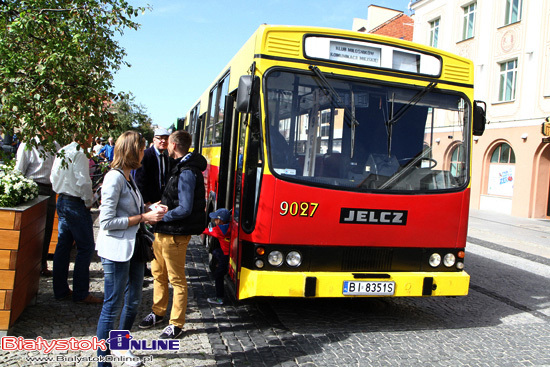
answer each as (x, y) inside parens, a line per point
(15, 188)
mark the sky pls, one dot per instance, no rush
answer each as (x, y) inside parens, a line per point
(182, 45)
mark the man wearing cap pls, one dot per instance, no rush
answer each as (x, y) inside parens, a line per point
(152, 176)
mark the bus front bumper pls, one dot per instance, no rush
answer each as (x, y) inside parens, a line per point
(255, 283)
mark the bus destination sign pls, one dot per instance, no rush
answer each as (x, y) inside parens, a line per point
(370, 54)
(354, 53)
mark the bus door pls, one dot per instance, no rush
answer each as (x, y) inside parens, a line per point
(240, 123)
(248, 159)
(227, 180)
(227, 164)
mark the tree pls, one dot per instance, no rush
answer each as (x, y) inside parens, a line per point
(131, 116)
(57, 60)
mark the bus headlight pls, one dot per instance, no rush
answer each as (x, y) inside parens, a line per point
(294, 258)
(449, 260)
(259, 263)
(275, 258)
(435, 260)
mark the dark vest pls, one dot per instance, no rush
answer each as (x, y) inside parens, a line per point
(196, 221)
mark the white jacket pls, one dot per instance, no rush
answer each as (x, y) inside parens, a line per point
(119, 201)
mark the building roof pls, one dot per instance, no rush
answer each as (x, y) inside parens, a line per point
(401, 26)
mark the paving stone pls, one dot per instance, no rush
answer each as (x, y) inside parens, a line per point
(477, 330)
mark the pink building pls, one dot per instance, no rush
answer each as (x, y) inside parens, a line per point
(509, 42)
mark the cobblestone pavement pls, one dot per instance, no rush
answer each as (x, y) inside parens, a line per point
(504, 321)
(52, 319)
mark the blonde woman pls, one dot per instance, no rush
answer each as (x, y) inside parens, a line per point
(121, 212)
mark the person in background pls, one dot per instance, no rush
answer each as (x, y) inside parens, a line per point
(152, 176)
(9, 142)
(36, 164)
(73, 185)
(222, 232)
(121, 212)
(185, 198)
(108, 150)
(97, 146)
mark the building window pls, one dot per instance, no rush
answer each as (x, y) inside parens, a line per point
(513, 11)
(434, 32)
(503, 154)
(508, 76)
(469, 20)
(502, 171)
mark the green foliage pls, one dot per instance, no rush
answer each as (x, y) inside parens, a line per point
(131, 116)
(57, 60)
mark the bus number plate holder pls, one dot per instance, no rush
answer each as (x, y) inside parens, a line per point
(361, 288)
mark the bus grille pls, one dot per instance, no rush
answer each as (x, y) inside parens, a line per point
(367, 259)
(283, 46)
(457, 73)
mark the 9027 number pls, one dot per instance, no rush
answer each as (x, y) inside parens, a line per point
(294, 208)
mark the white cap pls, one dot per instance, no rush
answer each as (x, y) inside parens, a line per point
(160, 131)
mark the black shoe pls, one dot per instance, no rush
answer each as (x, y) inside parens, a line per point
(150, 321)
(171, 332)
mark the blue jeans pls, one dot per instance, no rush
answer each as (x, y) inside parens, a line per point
(123, 282)
(75, 226)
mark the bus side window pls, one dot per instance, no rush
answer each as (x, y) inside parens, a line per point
(216, 109)
(252, 174)
(239, 166)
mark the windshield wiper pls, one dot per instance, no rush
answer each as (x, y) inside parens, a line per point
(425, 153)
(412, 102)
(329, 90)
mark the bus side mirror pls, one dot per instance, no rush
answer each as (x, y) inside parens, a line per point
(246, 93)
(479, 117)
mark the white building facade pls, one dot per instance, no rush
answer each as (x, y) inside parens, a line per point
(509, 42)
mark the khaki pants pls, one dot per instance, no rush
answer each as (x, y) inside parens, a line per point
(168, 267)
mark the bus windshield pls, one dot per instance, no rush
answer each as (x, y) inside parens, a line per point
(362, 136)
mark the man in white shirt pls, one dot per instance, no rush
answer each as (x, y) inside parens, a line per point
(74, 187)
(35, 164)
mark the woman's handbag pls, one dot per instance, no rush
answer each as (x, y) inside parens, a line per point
(143, 249)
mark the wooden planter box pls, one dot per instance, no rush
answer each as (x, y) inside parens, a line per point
(21, 238)
(53, 240)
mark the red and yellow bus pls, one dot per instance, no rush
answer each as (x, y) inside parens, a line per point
(345, 159)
